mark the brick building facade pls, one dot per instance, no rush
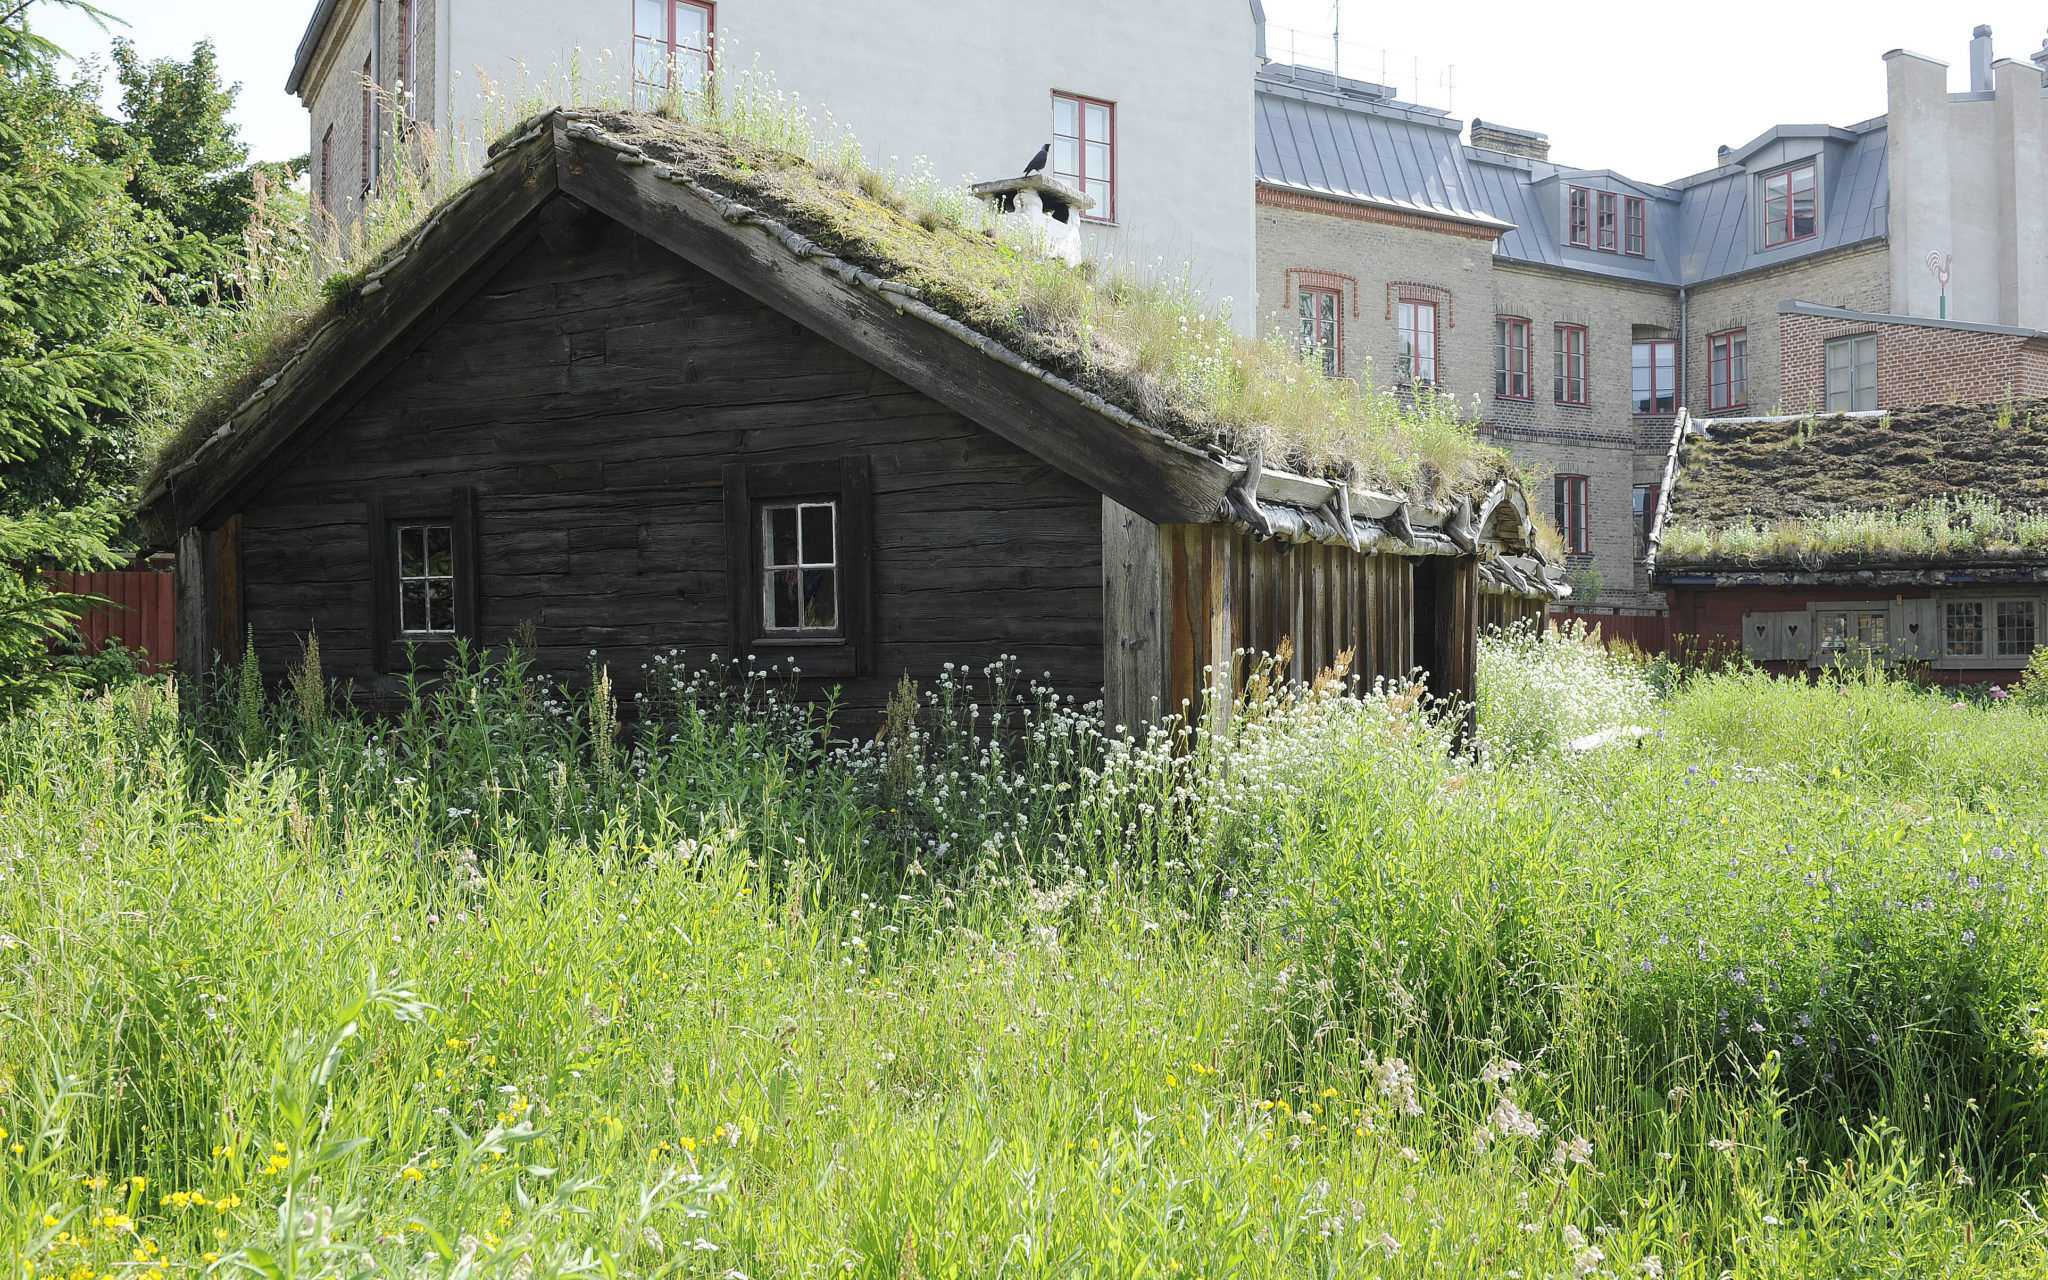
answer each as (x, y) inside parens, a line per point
(1769, 284)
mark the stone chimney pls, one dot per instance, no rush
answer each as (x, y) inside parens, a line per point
(1721, 156)
(1980, 61)
(1525, 143)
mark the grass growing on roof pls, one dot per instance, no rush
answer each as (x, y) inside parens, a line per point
(1961, 527)
(1143, 340)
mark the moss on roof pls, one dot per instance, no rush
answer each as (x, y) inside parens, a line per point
(1148, 348)
(1940, 483)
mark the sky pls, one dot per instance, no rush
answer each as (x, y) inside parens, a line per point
(1650, 90)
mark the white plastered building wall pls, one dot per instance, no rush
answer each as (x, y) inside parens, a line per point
(1969, 181)
(965, 86)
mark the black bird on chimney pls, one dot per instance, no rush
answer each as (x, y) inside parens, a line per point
(1038, 161)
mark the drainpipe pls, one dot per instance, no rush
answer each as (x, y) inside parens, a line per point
(1684, 350)
(376, 120)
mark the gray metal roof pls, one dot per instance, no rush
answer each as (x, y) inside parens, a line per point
(1351, 140)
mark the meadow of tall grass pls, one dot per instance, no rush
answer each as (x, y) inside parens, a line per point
(527, 981)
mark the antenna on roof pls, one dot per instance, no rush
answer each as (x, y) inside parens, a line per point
(1337, 38)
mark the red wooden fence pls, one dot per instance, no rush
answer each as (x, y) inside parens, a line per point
(1649, 632)
(143, 615)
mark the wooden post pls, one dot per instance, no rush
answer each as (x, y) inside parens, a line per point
(1134, 649)
(197, 625)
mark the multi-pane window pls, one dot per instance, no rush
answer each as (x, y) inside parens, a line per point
(800, 576)
(426, 581)
(1415, 360)
(1571, 515)
(671, 50)
(1728, 369)
(1511, 358)
(1320, 332)
(2016, 623)
(1084, 150)
(1607, 229)
(1655, 366)
(408, 57)
(1571, 364)
(1963, 629)
(1851, 631)
(1791, 205)
(1646, 516)
(1579, 217)
(1634, 227)
(1852, 373)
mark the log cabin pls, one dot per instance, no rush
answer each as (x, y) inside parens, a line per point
(1905, 537)
(599, 395)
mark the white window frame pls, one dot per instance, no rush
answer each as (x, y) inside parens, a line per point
(1855, 393)
(426, 579)
(1995, 630)
(770, 570)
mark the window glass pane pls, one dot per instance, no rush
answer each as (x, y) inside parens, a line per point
(821, 599)
(817, 535)
(693, 27)
(1098, 161)
(440, 604)
(2016, 628)
(1066, 117)
(650, 19)
(785, 599)
(412, 551)
(1096, 116)
(440, 551)
(782, 537)
(1834, 632)
(1870, 630)
(1066, 158)
(1964, 633)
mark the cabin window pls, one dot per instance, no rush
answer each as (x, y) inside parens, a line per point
(1851, 366)
(423, 573)
(1963, 629)
(1579, 217)
(1084, 150)
(1635, 227)
(1851, 631)
(1571, 364)
(1571, 515)
(1728, 369)
(799, 550)
(1655, 365)
(671, 50)
(2016, 628)
(1321, 327)
(1608, 238)
(1415, 360)
(1511, 358)
(800, 570)
(1791, 205)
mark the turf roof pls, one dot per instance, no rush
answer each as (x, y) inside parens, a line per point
(1199, 383)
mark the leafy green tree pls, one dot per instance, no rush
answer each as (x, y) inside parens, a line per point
(185, 158)
(83, 273)
(34, 619)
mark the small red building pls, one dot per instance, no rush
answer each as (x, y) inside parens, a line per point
(1915, 536)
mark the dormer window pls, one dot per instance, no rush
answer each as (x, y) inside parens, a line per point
(1791, 205)
(1635, 224)
(1579, 220)
(1608, 229)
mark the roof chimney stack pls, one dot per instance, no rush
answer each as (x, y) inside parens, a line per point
(1526, 143)
(1980, 61)
(2040, 57)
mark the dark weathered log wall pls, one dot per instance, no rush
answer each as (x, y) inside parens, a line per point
(590, 400)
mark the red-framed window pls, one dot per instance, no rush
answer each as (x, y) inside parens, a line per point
(672, 42)
(1571, 364)
(1654, 365)
(1084, 150)
(1728, 369)
(1791, 205)
(1512, 357)
(1322, 326)
(369, 125)
(1579, 217)
(1415, 358)
(1571, 515)
(1608, 230)
(1635, 227)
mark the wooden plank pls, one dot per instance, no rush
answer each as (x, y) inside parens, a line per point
(196, 631)
(1135, 688)
(227, 604)
(1221, 679)
(1149, 475)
